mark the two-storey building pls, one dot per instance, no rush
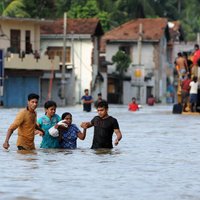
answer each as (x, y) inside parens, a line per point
(146, 42)
(81, 43)
(22, 65)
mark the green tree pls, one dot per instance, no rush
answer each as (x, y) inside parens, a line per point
(41, 8)
(83, 11)
(62, 6)
(15, 8)
(190, 19)
(122, 61)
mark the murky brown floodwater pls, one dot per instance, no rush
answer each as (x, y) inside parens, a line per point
(158, 159)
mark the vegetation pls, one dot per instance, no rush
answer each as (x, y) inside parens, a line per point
(122, 61)
(111, 12)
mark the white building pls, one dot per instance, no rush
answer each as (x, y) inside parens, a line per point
(146, 42)
(81, 58)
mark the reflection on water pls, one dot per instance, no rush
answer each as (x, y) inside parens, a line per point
(157, 158)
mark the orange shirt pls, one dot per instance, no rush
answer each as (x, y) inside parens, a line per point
(25, 121)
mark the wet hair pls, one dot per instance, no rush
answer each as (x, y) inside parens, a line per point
(33, 96)
(102, 104)
(49, 104)
(195, 79)
(196, 46)
(134, 99)
(185, 54)
(179, 54)
(65, 114)
(99, 94)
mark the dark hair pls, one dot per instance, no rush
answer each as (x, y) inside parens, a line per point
(133, 98)
(33, 96)
(49, 104)
(86, 90)
(102, 104)
(179, 54)
(65, 114)
(195, 78)
(196, 46)
(99, 94)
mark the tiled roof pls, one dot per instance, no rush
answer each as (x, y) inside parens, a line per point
(152, 30)
(90, 26)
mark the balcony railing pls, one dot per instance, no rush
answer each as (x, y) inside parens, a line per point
(29, 62)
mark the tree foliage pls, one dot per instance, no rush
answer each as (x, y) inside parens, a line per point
(112, 13)
(14, 8)
(122, 61)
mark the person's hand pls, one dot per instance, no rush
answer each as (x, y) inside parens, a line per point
(116, 142)
(6, 145)
(40, 133)
(84, 125)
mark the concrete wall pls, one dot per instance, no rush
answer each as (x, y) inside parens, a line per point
(23, 26)
(153, 60)
(82, 62)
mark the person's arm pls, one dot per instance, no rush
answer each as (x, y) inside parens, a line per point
(6, 144)
(18, 120)
(86, 125)
(119, 136)
(39, 130)
(81, 135)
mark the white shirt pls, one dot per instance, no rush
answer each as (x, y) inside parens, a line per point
(193, 87)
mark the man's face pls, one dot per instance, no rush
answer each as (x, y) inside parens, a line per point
(32, 104)
(102, 112)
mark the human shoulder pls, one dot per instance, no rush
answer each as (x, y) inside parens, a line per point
(74, 126)
(111, 119)
(23, 112)
(57, 117)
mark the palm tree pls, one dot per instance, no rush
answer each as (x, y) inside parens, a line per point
(15, 8)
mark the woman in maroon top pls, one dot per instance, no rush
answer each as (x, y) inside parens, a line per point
(185, 91)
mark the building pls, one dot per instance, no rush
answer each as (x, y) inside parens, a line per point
(22, 65)
(81, 44)
(146, 42)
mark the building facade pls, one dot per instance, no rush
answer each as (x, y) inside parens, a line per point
(81, 45)
(22, 65)
(146, 42)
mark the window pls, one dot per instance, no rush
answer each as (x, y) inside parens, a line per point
(58, 51)
(15, 40)
(126, 49)
(28, 42)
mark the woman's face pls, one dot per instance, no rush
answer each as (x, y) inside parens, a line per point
(50, 111)
(68, 119)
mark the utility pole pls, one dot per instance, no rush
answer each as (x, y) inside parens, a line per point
(63, 82)
(73, 72)
(139, 58)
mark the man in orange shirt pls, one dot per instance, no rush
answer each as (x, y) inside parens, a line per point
(133, 106)
(25, 121)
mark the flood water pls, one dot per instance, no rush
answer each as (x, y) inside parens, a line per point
(157, 159)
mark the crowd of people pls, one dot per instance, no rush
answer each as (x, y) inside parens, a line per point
(60, 132)
(188, 83)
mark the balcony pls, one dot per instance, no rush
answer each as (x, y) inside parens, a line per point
(29, 62)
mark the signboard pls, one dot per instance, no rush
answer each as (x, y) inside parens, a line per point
(1, 72)
(138, 76)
